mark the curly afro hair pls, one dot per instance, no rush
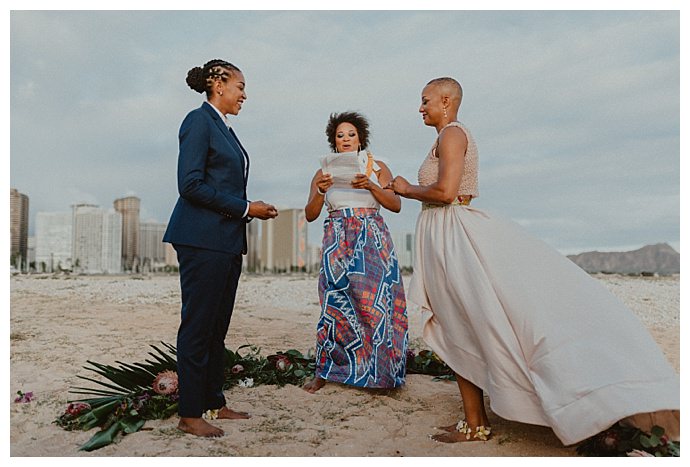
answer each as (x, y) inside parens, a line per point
(353, 118)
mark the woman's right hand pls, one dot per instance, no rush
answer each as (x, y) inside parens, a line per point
(399, 185)
(317, 189)
(324, 182)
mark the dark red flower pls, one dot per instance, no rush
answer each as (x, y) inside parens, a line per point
(281, 362)
(76, 408)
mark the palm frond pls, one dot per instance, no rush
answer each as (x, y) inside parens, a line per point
(127, 378)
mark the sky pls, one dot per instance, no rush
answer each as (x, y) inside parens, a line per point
(576, 114)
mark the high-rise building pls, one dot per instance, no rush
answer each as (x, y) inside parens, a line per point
(251, 261)
(151, 247)
(128, 207)
(53, 241)
(31, 250)
(96, 240)
(284, 242)
(111, 248)
(19, 228)
(170, 255)
(314, 264)
(404, 249)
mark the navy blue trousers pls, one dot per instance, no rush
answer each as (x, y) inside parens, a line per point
(208, 280)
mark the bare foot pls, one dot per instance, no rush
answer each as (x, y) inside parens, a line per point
(199, 427)
(453, 437)
(447, 428)
(229, 414)
(454, 426)
(314, 385)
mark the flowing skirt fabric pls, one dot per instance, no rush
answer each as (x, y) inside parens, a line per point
(362, 330)
(549, 344)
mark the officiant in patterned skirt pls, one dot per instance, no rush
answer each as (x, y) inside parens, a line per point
(361, 335)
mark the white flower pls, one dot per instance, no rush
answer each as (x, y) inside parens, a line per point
(246, 383)
(638, 453)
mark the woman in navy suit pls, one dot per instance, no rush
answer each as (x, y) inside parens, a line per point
(208, 230)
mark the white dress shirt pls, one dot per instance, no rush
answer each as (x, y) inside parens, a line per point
(246, 158)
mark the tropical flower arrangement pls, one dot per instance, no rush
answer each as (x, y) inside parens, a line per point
(134, 393)
(628, 441)
(426, 362)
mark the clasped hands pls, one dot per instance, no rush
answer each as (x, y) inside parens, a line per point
(399, 185)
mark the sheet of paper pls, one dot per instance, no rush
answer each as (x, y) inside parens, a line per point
(342, 166)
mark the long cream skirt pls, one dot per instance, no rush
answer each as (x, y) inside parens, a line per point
(549, 344)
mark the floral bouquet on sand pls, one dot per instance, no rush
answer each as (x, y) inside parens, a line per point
(426, 362)
(629, 441)
(134, 393)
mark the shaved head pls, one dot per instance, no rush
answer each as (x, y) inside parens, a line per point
(448, 87)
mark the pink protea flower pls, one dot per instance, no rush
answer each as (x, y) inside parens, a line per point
(237, 369)
(76, 408)
(165, 383)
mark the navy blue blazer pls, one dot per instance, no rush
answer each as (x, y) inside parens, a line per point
(212, 186)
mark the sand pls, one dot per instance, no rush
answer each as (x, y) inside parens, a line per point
(57, 323)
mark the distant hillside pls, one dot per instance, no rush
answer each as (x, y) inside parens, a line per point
(659, 258)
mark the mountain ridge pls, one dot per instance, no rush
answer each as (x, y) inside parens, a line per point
(660, 258)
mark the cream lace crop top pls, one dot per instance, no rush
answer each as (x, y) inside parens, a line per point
(469, 182)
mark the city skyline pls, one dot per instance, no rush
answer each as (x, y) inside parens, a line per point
(567, 108)
(87, 239)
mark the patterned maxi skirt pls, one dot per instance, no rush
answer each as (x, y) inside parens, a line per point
(361, 337)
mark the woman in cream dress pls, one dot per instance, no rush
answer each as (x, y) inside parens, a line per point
(513, 317)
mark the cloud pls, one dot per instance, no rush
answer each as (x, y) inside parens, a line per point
(576, 114)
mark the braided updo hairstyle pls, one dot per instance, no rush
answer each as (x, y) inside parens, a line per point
(201, 79)
(353, 118)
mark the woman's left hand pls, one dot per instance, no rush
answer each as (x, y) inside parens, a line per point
(361, 181)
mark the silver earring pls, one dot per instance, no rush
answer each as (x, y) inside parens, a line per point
(221, 93)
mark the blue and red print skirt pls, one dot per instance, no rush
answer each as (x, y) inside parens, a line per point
(361, 336)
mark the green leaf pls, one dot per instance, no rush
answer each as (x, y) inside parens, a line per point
(657, 431)
(102, 438)
(645, 442)
(118, 388)
(654, 441)
(131, 424)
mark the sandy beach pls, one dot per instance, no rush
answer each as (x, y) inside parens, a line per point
(60, 322)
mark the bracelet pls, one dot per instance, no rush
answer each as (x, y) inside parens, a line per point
(318, 190)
